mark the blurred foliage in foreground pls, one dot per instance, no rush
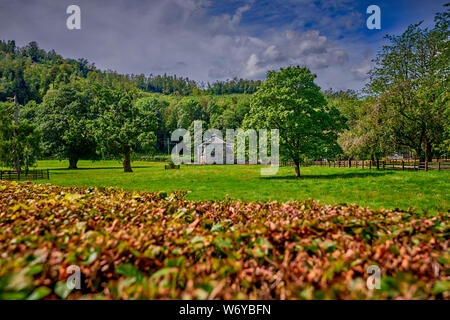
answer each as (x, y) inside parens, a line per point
(132, 245)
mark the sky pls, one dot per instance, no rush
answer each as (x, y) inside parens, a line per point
(208, 40)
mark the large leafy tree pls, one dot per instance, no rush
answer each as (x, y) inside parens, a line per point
(19, 143)
(123, 126)
(411, 80)
(64, 118)
(291, 102)
(157, 107)
(366, 135)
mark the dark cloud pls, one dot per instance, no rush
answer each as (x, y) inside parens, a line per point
(189, 38)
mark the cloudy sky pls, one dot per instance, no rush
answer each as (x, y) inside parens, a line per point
(209, 40)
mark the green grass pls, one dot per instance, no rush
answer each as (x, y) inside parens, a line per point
(388, 189)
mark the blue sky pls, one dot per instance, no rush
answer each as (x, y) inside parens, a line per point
(209, 40)
(303, 15)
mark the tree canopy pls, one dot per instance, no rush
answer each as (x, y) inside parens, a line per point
(124, 125)
(64, 119)
(291, 102)
(19, 143)
(410, 80)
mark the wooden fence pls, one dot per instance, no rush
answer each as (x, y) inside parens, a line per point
(25, 175)
(404, 165)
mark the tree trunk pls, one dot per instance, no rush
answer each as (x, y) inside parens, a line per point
(73, 163)
(16, 160)
(420, 154)
(428, 152)
(127, 162)
(16, 123)
(16, 111)
(297, 169)
(17, 165)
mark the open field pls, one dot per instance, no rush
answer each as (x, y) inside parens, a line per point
(131, 245)
(388, 189)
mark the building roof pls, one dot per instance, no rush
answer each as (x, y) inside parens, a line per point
(215, 140)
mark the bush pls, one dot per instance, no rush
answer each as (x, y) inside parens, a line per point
(160, 246)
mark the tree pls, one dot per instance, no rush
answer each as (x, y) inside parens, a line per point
(366, 136)
(232, 116)
(64, 117)
(123, 126)
(411, 80)
(151, 104)
(12, 79)
(291, 102)
(188, 111)
(19, 142)
(52, 74)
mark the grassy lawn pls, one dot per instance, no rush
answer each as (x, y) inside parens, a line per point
(388, 189)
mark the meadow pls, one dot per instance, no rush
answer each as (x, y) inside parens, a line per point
(369, 188)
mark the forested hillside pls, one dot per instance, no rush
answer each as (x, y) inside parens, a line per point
(35, 71)
(62, 97)
(69, 109)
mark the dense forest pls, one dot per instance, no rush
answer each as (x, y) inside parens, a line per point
(54, 107)
(62, 97)
(40, 71)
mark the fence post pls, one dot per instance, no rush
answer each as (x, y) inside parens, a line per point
(48, 175)
(370, 164)
(426, 165)
(439, 166)
(350, 163)
(363, 164)
(403, 165)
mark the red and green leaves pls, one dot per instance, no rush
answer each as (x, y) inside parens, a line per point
(132, 245)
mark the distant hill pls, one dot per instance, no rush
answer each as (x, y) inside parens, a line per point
(34, 71)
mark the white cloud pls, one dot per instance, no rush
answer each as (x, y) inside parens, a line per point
(238, 15)
(310, 49)
(183, 37)
(361, 70)
(252, 68)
